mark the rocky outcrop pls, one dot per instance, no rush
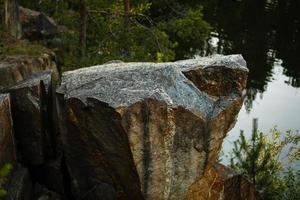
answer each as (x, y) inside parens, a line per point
(29, 107)
(145, 130)
(120, 130)
(27, 134)
(18, 68)
(221, 183)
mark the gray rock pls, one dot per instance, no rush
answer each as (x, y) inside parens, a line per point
(172, 116)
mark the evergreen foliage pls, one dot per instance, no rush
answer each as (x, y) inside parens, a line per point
(261, 159)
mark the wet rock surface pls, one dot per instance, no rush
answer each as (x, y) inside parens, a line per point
(175, 116)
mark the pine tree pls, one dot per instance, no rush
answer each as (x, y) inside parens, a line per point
(258, 159)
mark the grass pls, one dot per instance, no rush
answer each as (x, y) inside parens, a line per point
(10, 46)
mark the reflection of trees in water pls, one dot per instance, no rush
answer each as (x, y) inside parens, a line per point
(261, 30)
(288, 38)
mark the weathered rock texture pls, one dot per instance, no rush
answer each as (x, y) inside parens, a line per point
(145, 130)
(19, 68)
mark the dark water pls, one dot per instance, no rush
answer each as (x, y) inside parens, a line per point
(267, 34)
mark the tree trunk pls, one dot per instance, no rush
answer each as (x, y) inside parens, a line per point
(12, 18)
(126, 11)
(126, 25)
(83, 27)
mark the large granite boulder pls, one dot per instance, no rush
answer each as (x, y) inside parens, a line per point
(145, 130)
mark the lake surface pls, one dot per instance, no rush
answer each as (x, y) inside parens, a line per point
(267, 34)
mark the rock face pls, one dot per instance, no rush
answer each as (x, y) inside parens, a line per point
(221, 183)
(145, 130)
(29, 111)
(27, 129)
(36, 25)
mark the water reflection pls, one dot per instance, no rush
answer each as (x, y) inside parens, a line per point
(262, 31)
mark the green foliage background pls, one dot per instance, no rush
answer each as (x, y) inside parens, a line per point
(156, 31)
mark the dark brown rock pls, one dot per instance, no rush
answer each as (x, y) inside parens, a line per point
(29, 107)
(7, 146)
(97, 151)
(218, 81)
(221, 183)
(239, 188)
